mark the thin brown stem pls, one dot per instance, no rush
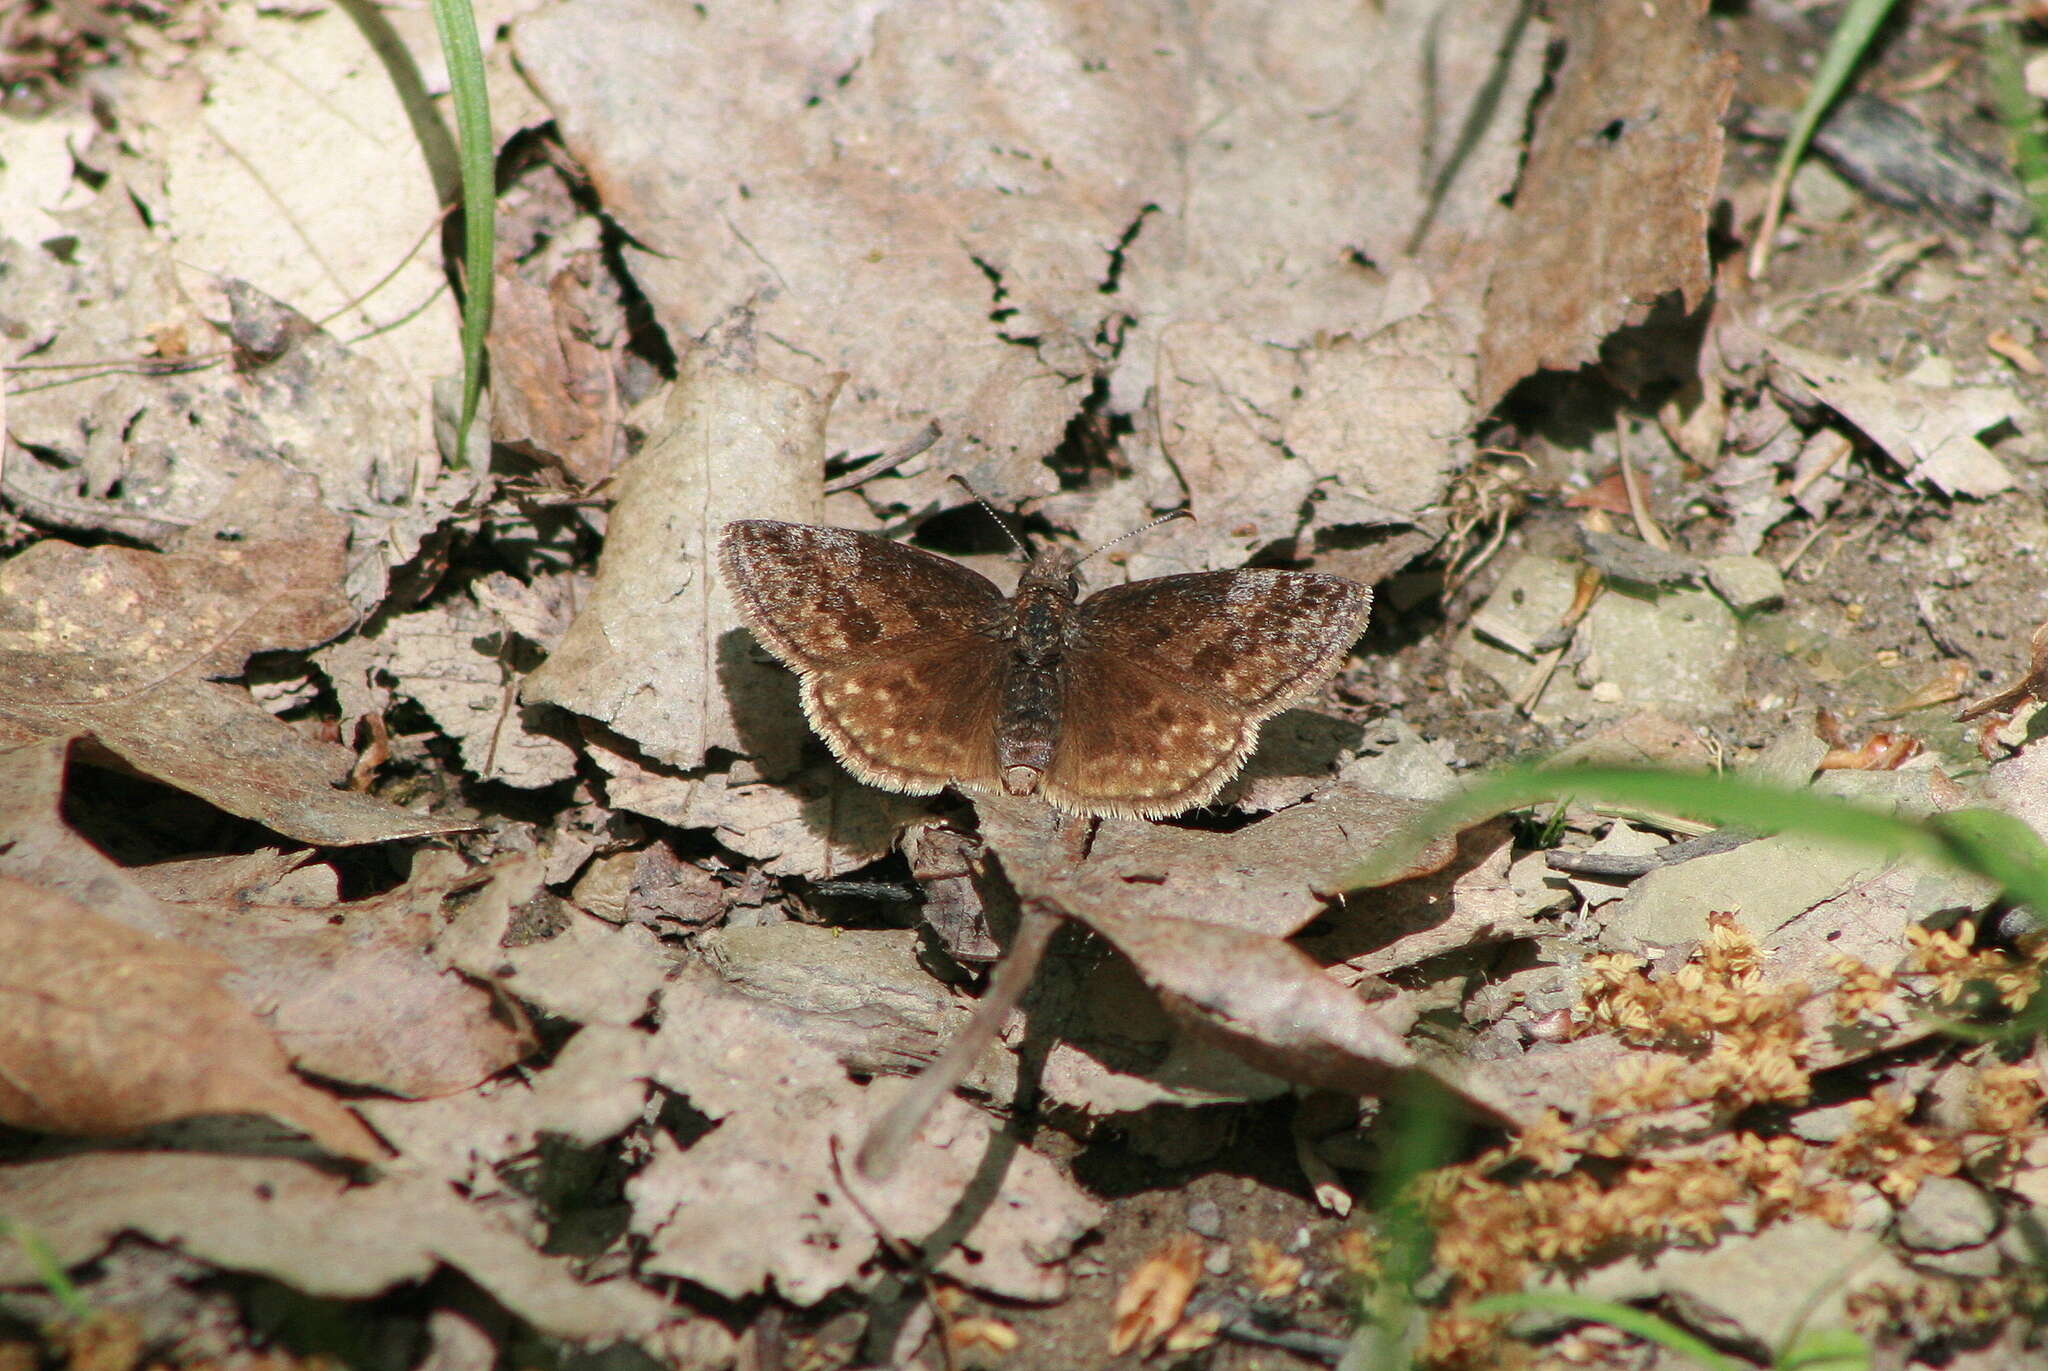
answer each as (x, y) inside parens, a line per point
(882, 1150)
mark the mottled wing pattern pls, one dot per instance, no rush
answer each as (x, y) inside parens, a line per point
(900, 676)
(914, 722)
(1168, 681)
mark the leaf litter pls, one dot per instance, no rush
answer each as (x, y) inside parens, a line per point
(588, 972)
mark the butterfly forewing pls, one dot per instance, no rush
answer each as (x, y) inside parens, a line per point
(1168, 680)
(829, 596)
(895, 646)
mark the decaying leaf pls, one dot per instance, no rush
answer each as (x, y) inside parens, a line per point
(1629, 146)
(593, 1090)
(359, 992)
(1929, 429)
(1155, 1295)
(354, 991)
(107, 1030)
(124, 645)
(316, 1232)
(552, 395)
(1271, 876)
(755, 1201)
(458, 661)
(658, 654)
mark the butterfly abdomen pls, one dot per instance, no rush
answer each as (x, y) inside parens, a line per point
(1028, 723)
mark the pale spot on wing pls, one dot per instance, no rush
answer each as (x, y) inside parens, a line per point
(849, 691)
(886, 733)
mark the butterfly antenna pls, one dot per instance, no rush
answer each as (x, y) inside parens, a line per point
(1166, 518)
(1001, 522)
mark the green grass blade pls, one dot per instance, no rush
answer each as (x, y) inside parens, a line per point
(1859, 24)
(1648, 1327)
(457, 26)
(1981, 842)
(2020, 115)
(49, 1270)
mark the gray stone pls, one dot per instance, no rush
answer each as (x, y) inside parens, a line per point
(1765, 884)
(1206, 1218)
(1746, 583)
(1819, 193)
(1673, 650)
(1826, 1125)
(1948, 1214)
(1769, 1285)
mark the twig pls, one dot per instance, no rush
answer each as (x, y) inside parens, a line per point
(888, 461)
(882, 1150)
(912, 1259)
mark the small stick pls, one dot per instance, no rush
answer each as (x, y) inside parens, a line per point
(888, 461)
(912, 1259)
(882, 1150)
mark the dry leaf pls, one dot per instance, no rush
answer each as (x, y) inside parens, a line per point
(1272, 876)
(552, 394)
(658, 653)
(592, 1091)
(457, 661)
(1630, 149)
(755, 1202)
(107, 1030)
(316, 1232)
(1155, 1296)
(352, 989)
(358, 991)
(122, 644)
(1929, 430)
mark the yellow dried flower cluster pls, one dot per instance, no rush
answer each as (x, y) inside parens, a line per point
(1885, 1148)
(2007, 1101)
(1744, 1040)
(1949, 959)
(1562, 1195)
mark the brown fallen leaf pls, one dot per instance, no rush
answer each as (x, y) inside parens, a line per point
(754, 1202)
(124, 645)
(553, 396)
(1155, 1295)
(1274, 1007)
(1272, 876)
(106, 1030)
(316, 1232)
(1632, 141)
(357, 992)
(657, 653)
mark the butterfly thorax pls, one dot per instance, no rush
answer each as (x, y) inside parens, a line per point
(1029, 719)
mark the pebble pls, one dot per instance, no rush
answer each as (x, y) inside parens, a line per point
(1946, 1215)
(1206, 1218)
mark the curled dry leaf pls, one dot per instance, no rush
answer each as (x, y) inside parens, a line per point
(1270, 877)
(357, 992)
(1272, 1006)
(106, 1030)
(1632, 141)
(658, 654)
(315, 1232)
(123, 644)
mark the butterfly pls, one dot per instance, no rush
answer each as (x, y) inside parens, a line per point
(1140, 701)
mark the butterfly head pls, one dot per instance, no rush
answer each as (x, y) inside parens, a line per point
(1052, 571)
